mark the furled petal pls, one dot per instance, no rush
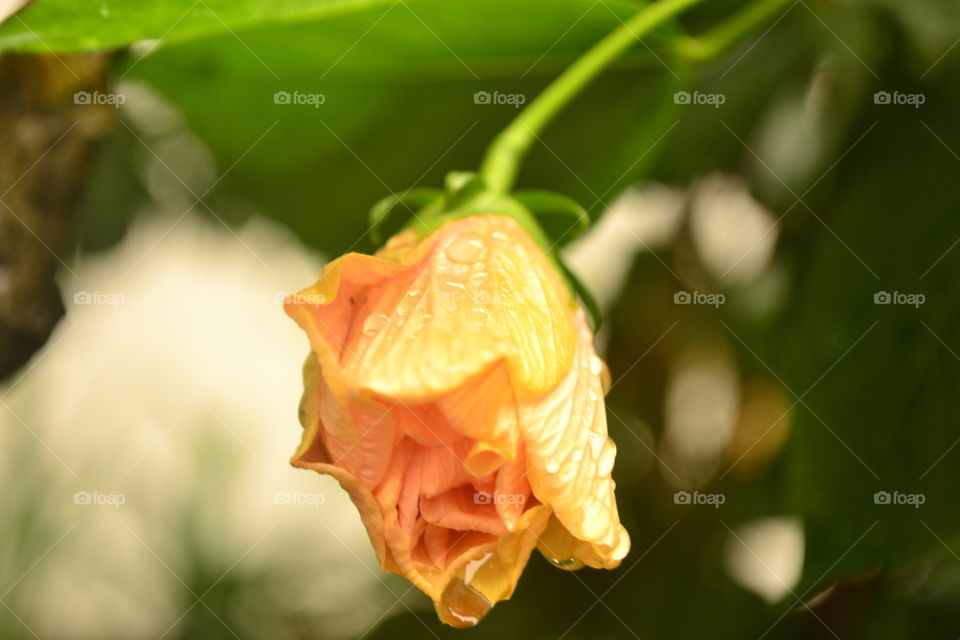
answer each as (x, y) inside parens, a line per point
(512, 490)
(485, 410)
(480, 292)
(458, 509)
(571, 457)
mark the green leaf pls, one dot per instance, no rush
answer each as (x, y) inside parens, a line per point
(79, 25)
(399, 109)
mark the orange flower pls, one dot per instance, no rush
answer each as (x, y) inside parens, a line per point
(454, 392)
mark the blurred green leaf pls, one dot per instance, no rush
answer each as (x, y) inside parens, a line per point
(876, 382)
(317, 121)
(78, 25)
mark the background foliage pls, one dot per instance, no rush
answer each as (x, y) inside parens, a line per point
(865, 195)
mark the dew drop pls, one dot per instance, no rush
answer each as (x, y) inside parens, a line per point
(466, 249)
(567, 564)
(594, 522)
(596, 365)
(596, 444)
(607, 455)
(577, 455)
(552, 466)
(461, 605)
(374, 323)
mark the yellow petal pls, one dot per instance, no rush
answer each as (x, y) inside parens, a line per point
(489, 573)
(485, 410)
(571, 457)
(480, 292)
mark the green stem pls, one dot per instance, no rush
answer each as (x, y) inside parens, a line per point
(502, 161)
(730, 31)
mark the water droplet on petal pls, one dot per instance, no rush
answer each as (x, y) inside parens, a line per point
(596, 365)
(605, 461)
(568, 564)
(374, 323)
(552, 466)
(594, 524)
(461, 605)
(577, 455)
(596, 444)
(466, 249)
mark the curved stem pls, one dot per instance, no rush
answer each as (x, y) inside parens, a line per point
(727, 33)
(502, 161)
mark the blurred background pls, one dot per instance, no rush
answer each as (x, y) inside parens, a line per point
(775, 252)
